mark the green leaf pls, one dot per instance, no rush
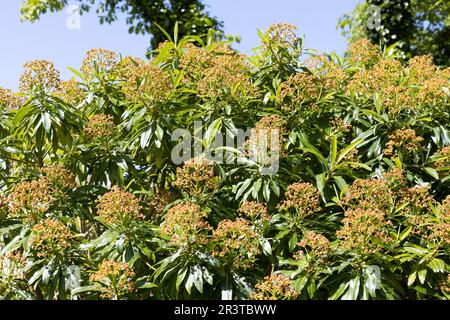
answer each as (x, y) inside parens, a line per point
(412, 278)
(353, 290)
(437, 265)
(432, 172)
(422, 275)
(180, 277)
(342, 288)
(293, 242)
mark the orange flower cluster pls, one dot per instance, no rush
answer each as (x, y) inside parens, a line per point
(363, 53)
(31, 199)
(420, 69)
(193, 62)
(282, 37)
(219, 73)
(445, 285)
(100, 127)
(440, 233)
(304, 198)
(161, 198)
(368, 193)
(116, 277)
(186, 224)
(298, 89)
(59, 177)
(385, 78)
(253, 210)
(226, 76)
(444, 158)
(148, 84)
(318, 245)
(404, 140)
(364, 231)
(237, 242)
(10, 99)
(70, 92)
(340, 125)
(118, 207)
(196, 177)
(331, 75)
(418, 197)
(262, 145)
(127, 66)
(275, 287)
(100, 60)
(446, 209)
(41, 75)
(51, 238)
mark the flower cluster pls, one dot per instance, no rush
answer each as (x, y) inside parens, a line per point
(186, 224)
(368, 193)
(118, 207)
(396, 180)
(99, 60)
(303, 198)
(100, 127)
(227, 76)
(275, 287)
(127, 66)
(39, 75)
(282, 37)
(32, 198)
(443, 160)
(70, 92)
(439, 233)
(331, 75)
(420, 69)
(219, 73)
(161, 198)
(446, 209)
(405, 141)
(432, 92)
(59, 177)
(418, 197)
(51, 238)
(116, 279)
(12, 272)
(364, 231)
(254, 210)
(385, 79)
(196, 177)
(298, 89)
(194, 62)
(318, 245)
(340, 125)
(10, 99)
(445, 285)
(146, 83)
(363, 53)
(236, 242)
(267, 140)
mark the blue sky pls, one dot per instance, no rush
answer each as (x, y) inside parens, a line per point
(50, 38)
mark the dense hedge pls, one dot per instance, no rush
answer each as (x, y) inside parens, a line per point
(92, 204)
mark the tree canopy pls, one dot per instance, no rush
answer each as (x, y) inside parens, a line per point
(142, 16)
(418, 27)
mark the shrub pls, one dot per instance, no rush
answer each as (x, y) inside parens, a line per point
(355, 205)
